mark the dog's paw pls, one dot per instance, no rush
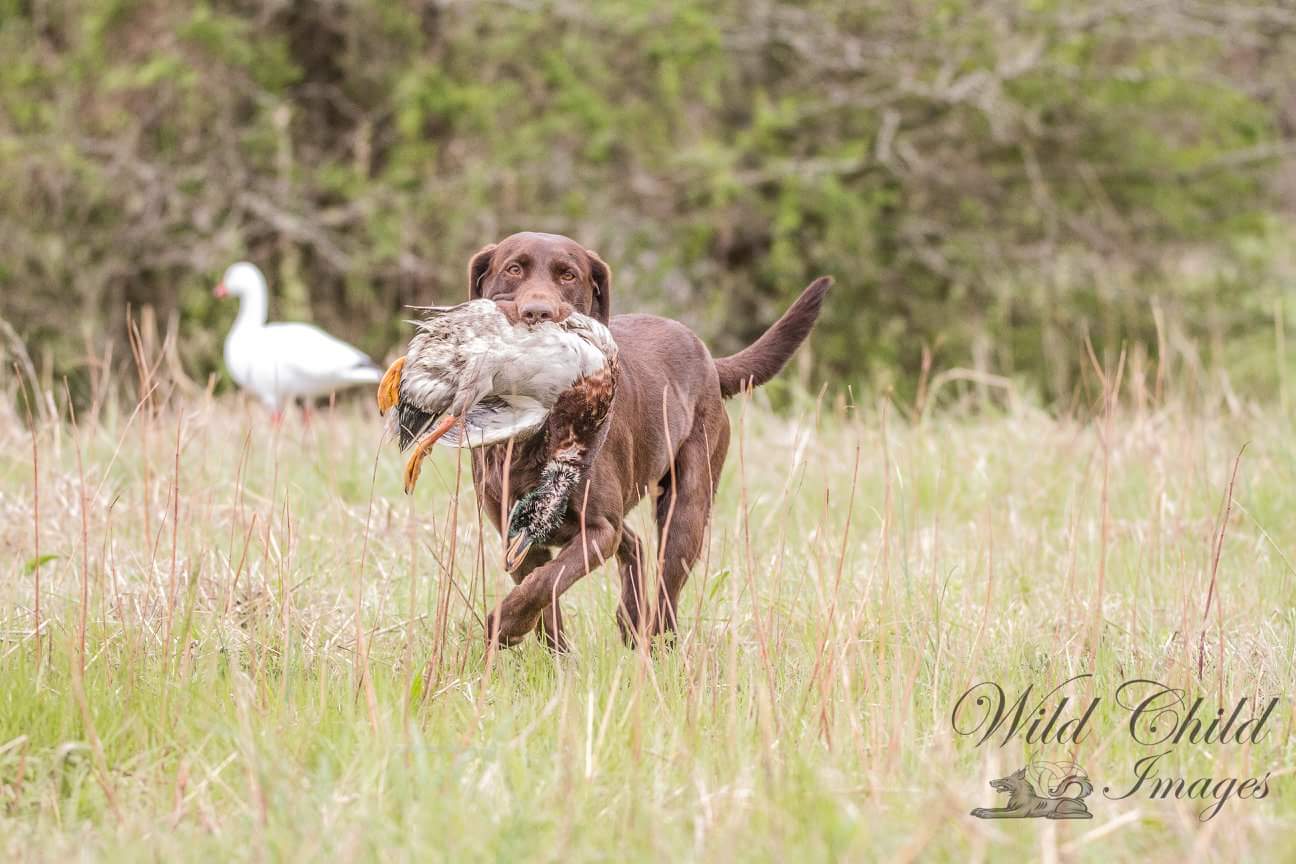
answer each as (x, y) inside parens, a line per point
(979, 812)
(510, 623)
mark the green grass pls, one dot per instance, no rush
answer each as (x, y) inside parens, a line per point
(856, 582)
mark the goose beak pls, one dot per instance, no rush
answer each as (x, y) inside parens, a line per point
(220, 292)
(415, 463)
(389, 386)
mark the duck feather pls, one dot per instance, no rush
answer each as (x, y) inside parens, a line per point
(470, 361)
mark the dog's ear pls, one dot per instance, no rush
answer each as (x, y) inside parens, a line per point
(601, 275)
(477, 268)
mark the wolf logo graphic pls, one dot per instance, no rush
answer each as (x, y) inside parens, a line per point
(1025, 803)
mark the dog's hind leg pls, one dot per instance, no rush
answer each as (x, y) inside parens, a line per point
(683, 510)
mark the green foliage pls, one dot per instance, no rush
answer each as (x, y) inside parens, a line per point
(989, 180)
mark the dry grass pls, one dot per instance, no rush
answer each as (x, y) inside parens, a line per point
(247, 652)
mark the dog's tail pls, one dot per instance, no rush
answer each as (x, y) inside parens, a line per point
(762, 360)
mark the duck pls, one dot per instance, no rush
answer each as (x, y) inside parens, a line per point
(474, 376)
(280, 363)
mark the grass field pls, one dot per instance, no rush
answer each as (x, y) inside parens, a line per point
(200, 689)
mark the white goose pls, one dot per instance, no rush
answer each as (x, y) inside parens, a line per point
(280, 363)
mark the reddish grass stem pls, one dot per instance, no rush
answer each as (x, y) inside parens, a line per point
(36, 559)
(1218, 548)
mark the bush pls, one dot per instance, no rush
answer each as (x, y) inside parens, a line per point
(988, 179)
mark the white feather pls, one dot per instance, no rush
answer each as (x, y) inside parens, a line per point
(507, 376)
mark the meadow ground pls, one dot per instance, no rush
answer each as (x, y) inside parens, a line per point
(863, 571)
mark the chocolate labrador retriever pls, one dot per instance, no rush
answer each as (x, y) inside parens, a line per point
(667, 437)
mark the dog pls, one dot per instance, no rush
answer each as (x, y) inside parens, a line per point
(1025, 803)
(666, 437)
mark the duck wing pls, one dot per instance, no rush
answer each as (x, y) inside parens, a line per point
(592, 331)
(546, 360)
(443, 377)
(495, 419)
(472, 315)
(461, 307)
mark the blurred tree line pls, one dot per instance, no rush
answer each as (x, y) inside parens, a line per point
(989, 181)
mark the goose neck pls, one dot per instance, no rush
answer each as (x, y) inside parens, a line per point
(252, 308)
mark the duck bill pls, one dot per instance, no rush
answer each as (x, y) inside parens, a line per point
(415, 463)
(517, 550)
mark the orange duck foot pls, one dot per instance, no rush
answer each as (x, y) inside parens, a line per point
(415, 463)
(389, 386)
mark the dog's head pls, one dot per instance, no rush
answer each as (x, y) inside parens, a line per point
(542, 277)
(1010, 783)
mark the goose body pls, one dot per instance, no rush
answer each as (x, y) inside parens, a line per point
(283, 362)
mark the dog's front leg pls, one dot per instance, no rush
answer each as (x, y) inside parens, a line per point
(518, 613)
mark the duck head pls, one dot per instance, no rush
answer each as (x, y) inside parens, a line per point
(545, 277)
(539, 513)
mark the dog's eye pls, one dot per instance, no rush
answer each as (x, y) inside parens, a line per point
(514, 269)
(568, 276)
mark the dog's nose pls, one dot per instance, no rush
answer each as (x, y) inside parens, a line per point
(535, 311)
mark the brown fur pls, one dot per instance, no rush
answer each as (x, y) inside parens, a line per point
(667, 436)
